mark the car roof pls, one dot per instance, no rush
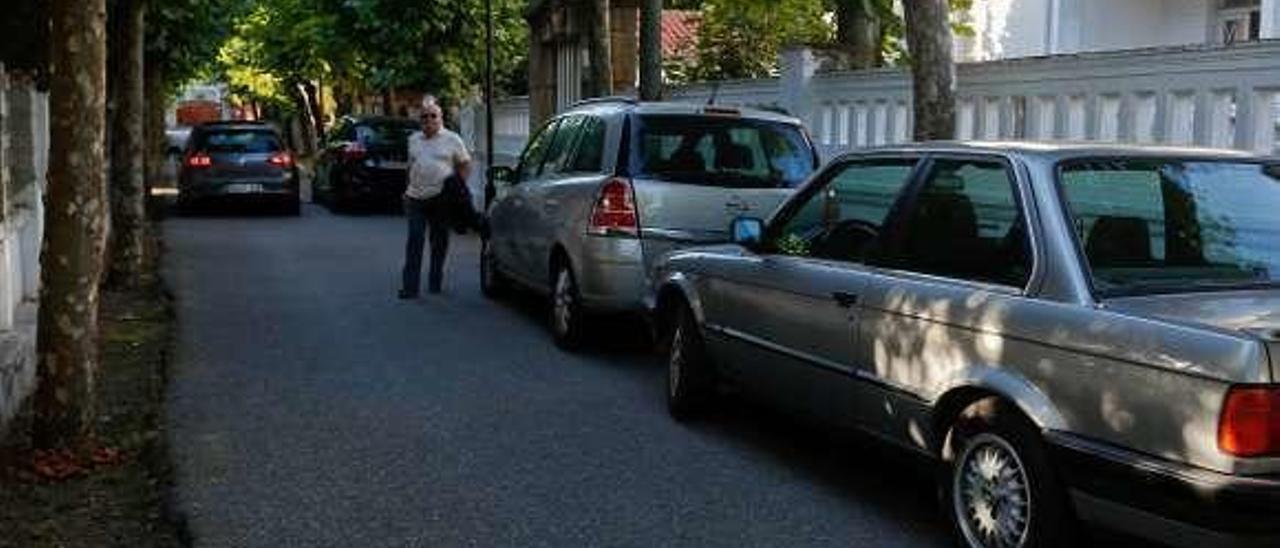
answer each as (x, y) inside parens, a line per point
(379, 119)
(677, 108)
(1054, 151)
(235, 125)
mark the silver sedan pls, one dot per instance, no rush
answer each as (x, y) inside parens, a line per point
(1070, 332)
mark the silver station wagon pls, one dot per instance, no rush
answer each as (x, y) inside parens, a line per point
(607, 188)
(1072, 332)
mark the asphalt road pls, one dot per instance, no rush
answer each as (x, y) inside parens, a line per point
(309, 407)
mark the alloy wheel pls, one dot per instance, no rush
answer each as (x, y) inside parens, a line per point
(991, 496)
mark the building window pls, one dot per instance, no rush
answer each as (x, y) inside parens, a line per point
(1239, 21)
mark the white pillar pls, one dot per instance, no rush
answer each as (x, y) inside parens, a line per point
(1270, 21)
(798, 67)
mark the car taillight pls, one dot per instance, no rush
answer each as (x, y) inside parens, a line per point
(199, 159)
(615, 210)
(1250, 422)
(354, 151)
(281, 159)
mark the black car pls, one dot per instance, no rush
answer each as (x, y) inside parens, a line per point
(238, 162)
(364, 162)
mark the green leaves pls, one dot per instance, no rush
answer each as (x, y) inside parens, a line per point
(369, 46)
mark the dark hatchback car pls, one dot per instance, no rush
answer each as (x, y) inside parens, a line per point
(365, 163)
(240, 162)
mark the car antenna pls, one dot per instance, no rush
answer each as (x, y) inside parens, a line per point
(715, 90)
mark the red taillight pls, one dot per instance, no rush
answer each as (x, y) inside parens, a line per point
(615, 210)
(354, 151)
(281, 159)
(1250, 423)
(199, 159)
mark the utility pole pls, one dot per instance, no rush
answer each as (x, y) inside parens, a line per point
(488, 90)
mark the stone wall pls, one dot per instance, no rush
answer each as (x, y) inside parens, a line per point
(24, 145)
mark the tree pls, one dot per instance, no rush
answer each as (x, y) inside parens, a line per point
(651, 50)
(600, 79)
(128, 184)
(859, 32)
(742, 38)
(75, 226)
(933, 78)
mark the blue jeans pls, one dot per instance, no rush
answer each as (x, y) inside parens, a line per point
(421, 215)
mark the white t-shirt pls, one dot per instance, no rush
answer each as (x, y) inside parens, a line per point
(433, 160)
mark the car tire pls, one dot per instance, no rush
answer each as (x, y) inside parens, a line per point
(185, 206)
(492, 283)
(690, 376)
(566, 318)
(996, 482)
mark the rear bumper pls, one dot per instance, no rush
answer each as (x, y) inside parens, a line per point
(191, 189)
(375, 184)
(1165, 501)
(611, 274)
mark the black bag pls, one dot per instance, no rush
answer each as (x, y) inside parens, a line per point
(462, 213)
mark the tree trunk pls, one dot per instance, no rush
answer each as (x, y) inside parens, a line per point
(302, 106)
(314, 110)
(858, 31)
(128, 178)
(601, 73)
(651, 50)
(75, 226)
(933, 73)
(388, 99)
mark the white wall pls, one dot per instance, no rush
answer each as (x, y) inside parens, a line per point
(1006, 29)
(1097, 25)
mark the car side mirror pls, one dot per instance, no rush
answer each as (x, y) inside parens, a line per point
(747, 232)
(500, 178)
(502, 175)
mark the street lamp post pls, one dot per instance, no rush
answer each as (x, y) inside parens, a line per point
(488, 97)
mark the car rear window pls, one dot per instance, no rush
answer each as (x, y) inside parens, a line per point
(723, 151)
(1158, 225)
(246, 141)
(386, 134)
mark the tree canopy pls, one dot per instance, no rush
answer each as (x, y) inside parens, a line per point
(742, 38)
(369, 46)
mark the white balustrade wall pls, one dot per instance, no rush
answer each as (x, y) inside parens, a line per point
(24, 146)
(1208, 96)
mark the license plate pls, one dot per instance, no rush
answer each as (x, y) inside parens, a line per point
(244, 188)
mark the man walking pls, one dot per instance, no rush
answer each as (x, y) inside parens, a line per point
(435, 154)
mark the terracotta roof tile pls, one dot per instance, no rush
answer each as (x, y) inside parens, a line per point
(680, 32)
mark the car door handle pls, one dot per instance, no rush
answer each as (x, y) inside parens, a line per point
(845, 299)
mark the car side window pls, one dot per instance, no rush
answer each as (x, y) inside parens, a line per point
(589, 157)
(842, 219)
(531, 161)
(965, 222)
(561, 148)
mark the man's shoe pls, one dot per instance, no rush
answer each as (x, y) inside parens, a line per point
(406, 295)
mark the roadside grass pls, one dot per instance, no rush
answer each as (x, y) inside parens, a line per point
(123, 501)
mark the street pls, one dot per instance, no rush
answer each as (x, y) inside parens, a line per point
(309, 407)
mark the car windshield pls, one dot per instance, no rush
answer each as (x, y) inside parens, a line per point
(723, 151)
(386, 134)
(1169, 225)
(239, 141)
